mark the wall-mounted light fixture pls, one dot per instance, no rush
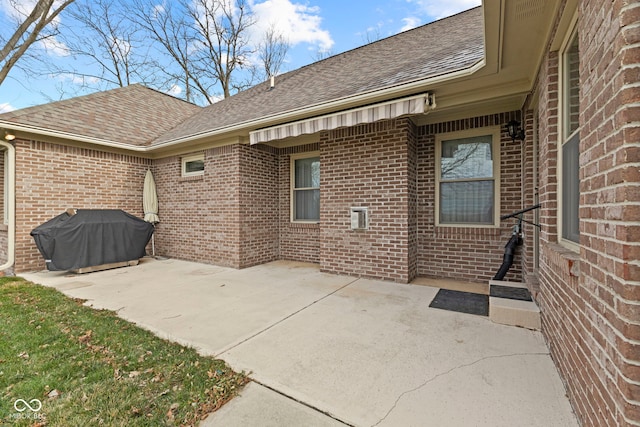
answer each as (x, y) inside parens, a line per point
(9, 136)
(431, 100)
(515, 131)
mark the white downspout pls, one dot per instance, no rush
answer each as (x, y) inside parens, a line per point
(10, 164)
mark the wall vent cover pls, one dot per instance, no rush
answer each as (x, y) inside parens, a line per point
(359, 219)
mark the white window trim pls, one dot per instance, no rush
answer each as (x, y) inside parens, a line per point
(494, 131)
(292, 181)
(191, 158)
(562, 124)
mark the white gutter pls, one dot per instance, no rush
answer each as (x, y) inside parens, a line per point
(11, 202)
(71, 136)
(318, 108)
(283, 117)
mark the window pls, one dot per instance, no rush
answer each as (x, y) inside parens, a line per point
(467, 178)
(305, 188)
(193, 165)
(569, 199)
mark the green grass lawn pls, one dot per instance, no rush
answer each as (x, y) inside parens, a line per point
(76, 366)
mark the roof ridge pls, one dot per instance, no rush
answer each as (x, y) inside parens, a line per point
(143, 112)
(165, 94)
(80, 98)
(415, 28)
(345, 53)
(384, 39)
(54, 104)
(200, 108)
(396, 60)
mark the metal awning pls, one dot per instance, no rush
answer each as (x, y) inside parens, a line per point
(418, 104)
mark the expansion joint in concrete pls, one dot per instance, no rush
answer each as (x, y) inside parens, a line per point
(284, 318)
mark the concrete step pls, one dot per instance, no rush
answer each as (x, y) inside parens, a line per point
(511, 304)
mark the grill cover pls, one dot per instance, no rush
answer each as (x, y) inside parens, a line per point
(91, 237)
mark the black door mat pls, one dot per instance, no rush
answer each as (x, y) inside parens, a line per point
(462, 302)
(510, 292)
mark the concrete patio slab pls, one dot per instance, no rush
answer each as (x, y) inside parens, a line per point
(373, 353)
(207, 307)
(360, 352)
(257, 405)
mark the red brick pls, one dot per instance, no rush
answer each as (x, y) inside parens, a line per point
(57, 177)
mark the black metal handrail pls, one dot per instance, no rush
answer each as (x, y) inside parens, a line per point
(514, 214)
(514, 241)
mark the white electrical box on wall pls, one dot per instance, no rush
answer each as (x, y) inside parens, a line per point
(359, 219)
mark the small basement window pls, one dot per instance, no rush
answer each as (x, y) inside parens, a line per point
(193, 165)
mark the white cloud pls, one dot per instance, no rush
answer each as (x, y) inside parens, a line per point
(216, 98)
(298, 23)
(438, 9)
(5, 107)
(410, 23)
(54, 47)
(76, 79)
(17, 11)
(123, 48)
(158, 10)
(175, 90)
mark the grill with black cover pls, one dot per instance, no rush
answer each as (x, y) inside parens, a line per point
(91, 237)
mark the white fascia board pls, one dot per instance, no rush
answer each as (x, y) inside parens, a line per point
(335, 105)
(256, 123)
(19, 127)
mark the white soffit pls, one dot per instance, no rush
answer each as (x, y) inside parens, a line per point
(418, 104)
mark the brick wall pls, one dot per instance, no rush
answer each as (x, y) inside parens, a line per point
(216, 232)
(590, 300)
(529, 183)
(389, 168)
(412, 193)
(228, 215)
(367, 166)
(4, 245)
(199, 215)
(297, 242)
(259, 205)
(237, 212)
(51, 178)
(467, 253)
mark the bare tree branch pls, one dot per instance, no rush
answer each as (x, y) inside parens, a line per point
(456, 162)
(222, 29)
(176, 38)
(372, 35)
(205, 42)
(27, 33)
(272, 51)
(200, 50)
(102, 32)
(322, 54)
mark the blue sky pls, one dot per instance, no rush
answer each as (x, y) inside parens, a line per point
(312, 26)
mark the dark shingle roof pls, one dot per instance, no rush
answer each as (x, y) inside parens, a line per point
(141, 116)
(442, 47)
(134, 115)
